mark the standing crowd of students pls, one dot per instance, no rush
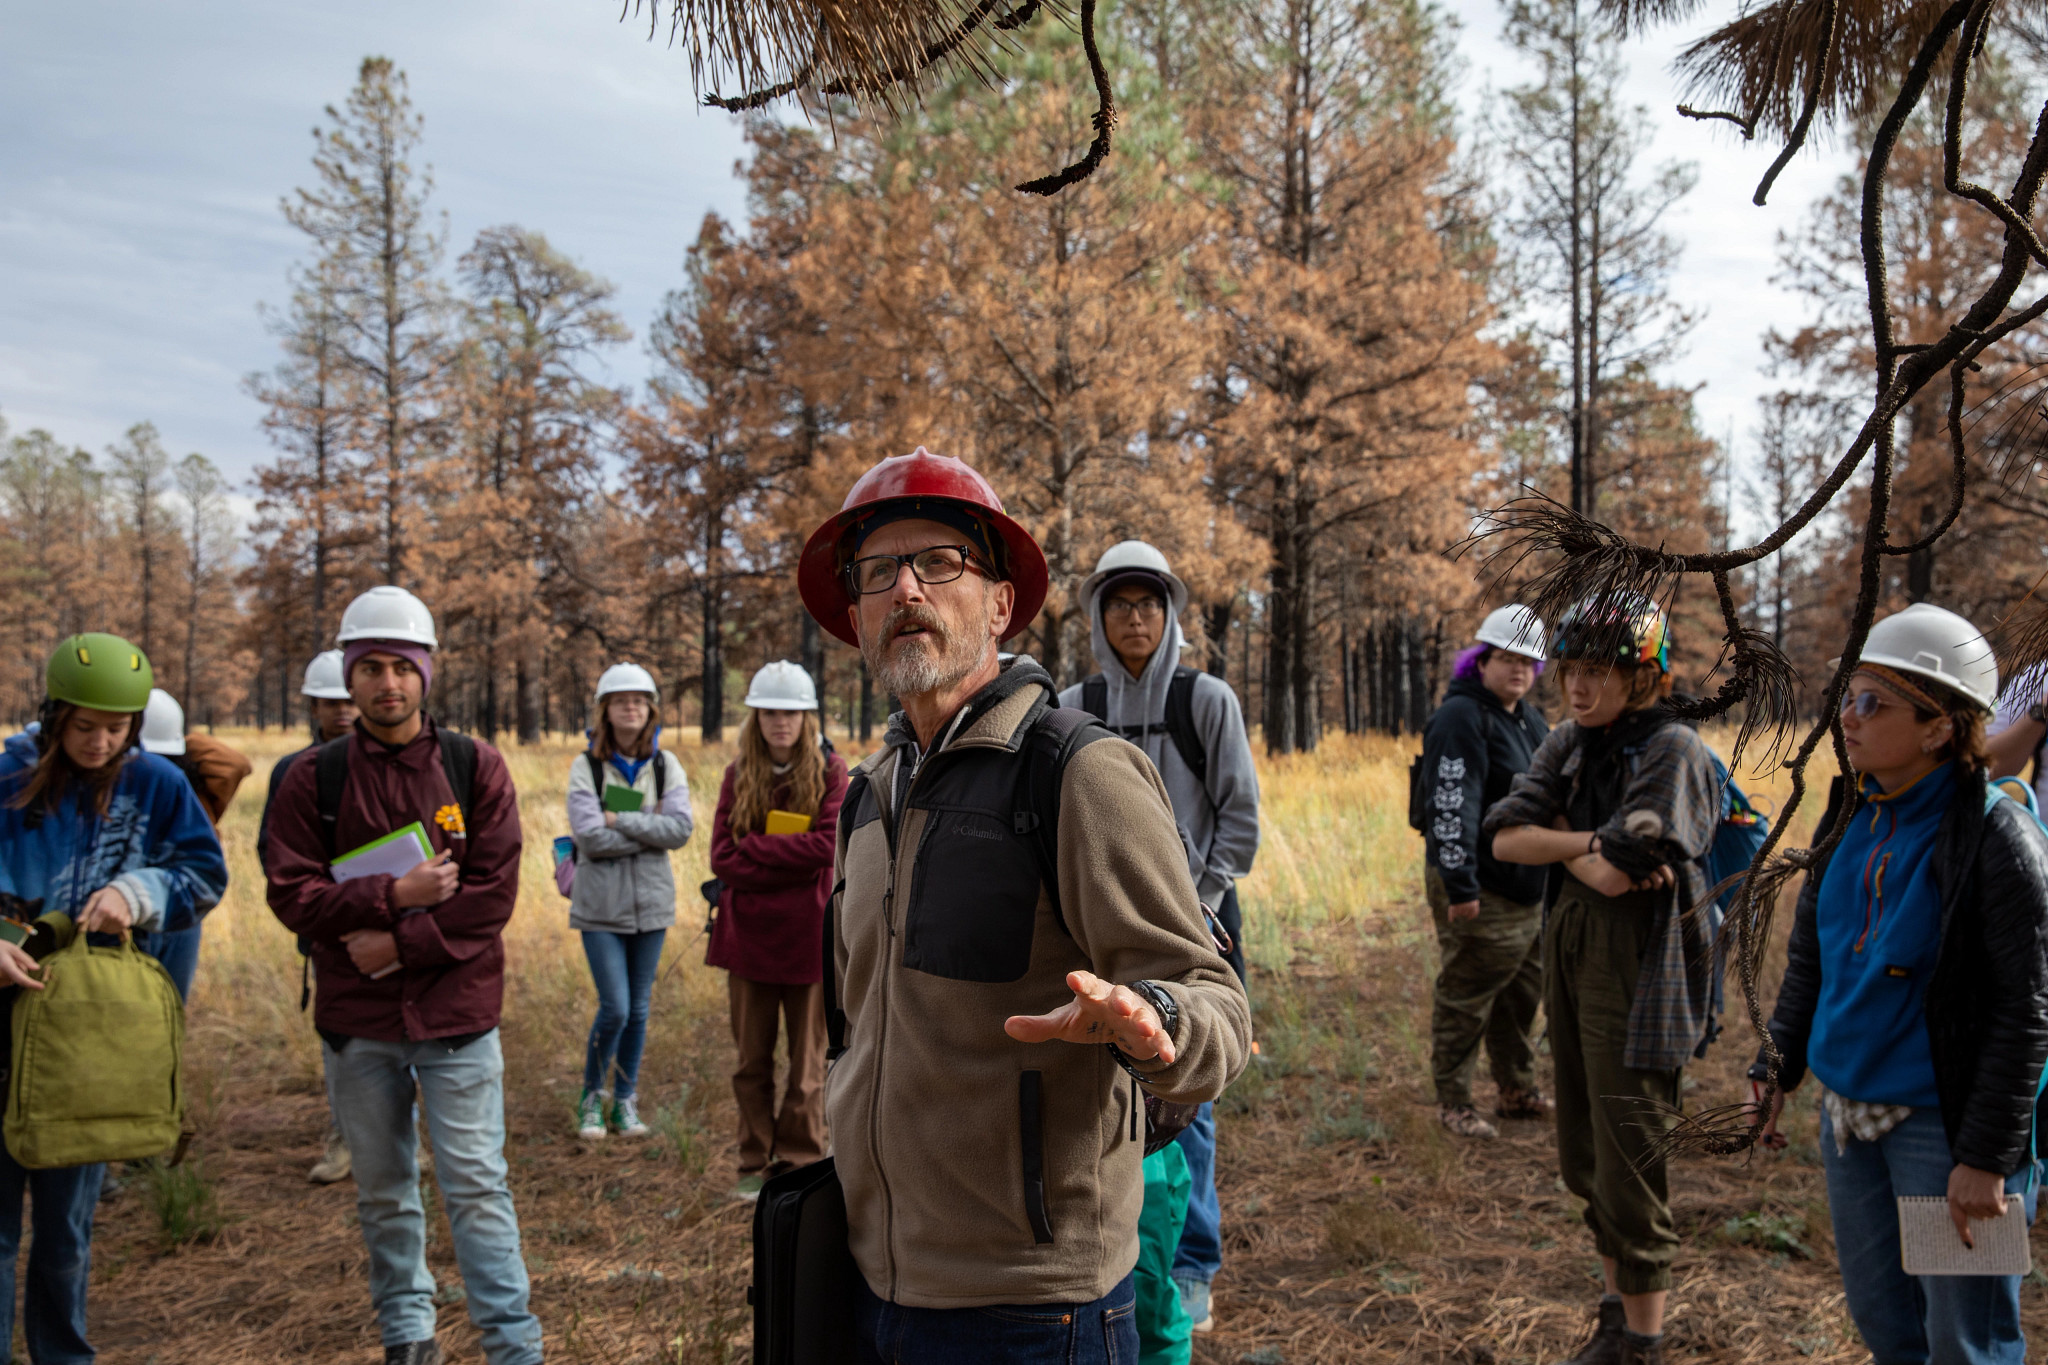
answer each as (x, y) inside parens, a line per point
(1025, 900)
(1916, 988)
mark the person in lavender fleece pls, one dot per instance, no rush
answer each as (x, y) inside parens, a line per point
(623, 899)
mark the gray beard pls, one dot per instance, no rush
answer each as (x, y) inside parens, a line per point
(914, 669)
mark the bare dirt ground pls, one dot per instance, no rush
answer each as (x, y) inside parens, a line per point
(1357, 1231)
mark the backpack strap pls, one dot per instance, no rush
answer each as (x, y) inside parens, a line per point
(660, 777)
(1095, 696)
(1180, 724)
(458, 761)
(330, 779)
(1054, 734)
(857, 790)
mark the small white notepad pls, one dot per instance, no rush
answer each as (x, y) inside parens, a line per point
(1929, 1245)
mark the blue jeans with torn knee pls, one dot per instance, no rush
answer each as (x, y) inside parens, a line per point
(462, 1093)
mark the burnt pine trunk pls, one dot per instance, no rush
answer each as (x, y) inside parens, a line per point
(1217, 624)
(1281, 628)
(528, 701)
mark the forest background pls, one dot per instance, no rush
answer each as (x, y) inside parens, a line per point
(1299, 332)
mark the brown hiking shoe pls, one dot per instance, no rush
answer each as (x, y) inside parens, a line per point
(1607, 1344)
(1466, 1122)
(1517, 1103)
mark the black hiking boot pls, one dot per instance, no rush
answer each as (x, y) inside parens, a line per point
(1607, 1344)
(1637, 1350)
(426, 1352)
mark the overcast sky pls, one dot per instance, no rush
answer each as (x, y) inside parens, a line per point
(146, 146)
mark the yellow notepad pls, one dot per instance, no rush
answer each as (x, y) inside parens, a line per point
(786, 822)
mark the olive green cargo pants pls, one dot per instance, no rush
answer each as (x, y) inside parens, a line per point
(1487, 991)
(1606, 1121)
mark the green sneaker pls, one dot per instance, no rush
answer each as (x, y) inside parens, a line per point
(590, 1116)
(749, 1188)
(626, 1120)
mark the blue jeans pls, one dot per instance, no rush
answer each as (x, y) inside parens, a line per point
(1200, 1254)
(1104, 1332)
(1201, 1240)
(371, 1084)
(1915, 1319)
(623, 966)
(61, 1204)
(178, 950)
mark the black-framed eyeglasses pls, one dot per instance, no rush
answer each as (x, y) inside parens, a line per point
(1144, 608)
(933, 565)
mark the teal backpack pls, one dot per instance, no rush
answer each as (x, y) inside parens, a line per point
(98, 1062)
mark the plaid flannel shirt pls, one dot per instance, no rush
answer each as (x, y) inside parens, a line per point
(1669, 809)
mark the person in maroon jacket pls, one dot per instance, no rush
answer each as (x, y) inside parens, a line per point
(409, 976)
(769, 934)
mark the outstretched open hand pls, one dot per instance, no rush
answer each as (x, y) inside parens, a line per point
(1100, 1012)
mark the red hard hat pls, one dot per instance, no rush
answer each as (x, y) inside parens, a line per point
(821, 574)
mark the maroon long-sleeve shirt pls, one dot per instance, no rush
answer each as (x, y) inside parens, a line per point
(771, 920)
(451, 980)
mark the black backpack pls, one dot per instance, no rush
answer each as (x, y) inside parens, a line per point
(1180, 718)
(1056, 734)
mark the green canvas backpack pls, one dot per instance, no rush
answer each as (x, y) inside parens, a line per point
(97, 1068)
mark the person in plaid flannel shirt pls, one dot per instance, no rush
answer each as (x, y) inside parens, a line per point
(1622, 799)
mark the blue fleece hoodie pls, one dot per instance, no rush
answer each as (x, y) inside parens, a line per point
(154, 845)
(1879, 923)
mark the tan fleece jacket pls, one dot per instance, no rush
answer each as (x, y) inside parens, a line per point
(954, 1196)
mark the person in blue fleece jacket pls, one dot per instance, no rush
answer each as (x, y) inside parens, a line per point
(95, 829)
(1916, 991)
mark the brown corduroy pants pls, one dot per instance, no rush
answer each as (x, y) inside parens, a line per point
(796, 1135)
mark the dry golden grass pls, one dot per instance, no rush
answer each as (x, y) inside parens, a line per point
(1356, 1229)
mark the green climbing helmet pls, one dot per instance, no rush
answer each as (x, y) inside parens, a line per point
(103, 672)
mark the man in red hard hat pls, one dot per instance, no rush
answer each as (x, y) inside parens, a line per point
(1018, 949)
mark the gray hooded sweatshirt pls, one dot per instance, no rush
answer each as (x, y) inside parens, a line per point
(1219, 824)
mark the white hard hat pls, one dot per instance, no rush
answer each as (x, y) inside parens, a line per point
(163, 723)
(782, 686)
(1926, 641)
(387, 613)
(1124, 557)
(1514, 628)
(323, 677)
(627, 678)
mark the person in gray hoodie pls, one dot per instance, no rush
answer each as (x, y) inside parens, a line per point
(1190, 726)
(629, 804)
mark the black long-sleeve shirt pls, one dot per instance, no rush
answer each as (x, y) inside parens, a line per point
(1472, 748)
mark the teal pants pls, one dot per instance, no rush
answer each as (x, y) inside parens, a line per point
(1165, 1332)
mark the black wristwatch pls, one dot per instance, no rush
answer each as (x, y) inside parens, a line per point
(1163, 1004)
